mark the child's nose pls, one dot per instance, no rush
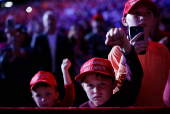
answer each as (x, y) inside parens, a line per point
(142, 17)
(43, 99)
(96, 90)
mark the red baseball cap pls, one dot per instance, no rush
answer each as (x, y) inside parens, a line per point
(98, 16)
(96, 65)
(43, 76)
(131, 3)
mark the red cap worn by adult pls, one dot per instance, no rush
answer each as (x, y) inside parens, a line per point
(43, 76)
(98, 17)
(96, 65)
(131, 3)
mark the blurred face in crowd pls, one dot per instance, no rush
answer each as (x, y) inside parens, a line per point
(34, 27)
(140, 15)
(97, 25)
(49, 21)
(99, 88)
(44, 96)
(12, 33)
(8, 35)
(77, 31)
(20, 37)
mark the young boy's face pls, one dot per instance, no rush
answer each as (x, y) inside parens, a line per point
(44, 96)
(140, 16)
(98, 89)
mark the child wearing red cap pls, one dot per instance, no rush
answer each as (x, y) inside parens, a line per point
(44, 88)
(155, 62)
(98, 79)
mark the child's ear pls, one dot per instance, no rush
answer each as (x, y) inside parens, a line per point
(57, 95)
(124, 22)
(82, 85)
(33, 97)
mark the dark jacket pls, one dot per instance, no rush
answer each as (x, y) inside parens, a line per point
(42, 56)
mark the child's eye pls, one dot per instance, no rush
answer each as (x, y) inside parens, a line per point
(102, 84)
(48, 94)
(90, 85)
(148, 13)
(38, 95)
(136, 13)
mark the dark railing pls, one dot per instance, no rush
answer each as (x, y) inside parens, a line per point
(76, 110)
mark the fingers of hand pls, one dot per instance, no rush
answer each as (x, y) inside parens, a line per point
(109, 38)
(109, 34)
(65, 60)
(142, 42)
(122, 32)
(107, 41)
(127, 37)
(116, 34)
(135, 38)
(140, 47)
(138, 50)
(113, 34)
(164, 40)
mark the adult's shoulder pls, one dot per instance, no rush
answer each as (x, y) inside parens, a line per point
(39, 39)
(41, 36)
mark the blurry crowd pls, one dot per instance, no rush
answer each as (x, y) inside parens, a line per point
(69, 11)
(80, 27)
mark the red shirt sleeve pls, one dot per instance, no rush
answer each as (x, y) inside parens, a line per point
(69, 98)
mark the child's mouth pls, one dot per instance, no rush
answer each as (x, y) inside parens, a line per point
(97, 96)
(143, 25)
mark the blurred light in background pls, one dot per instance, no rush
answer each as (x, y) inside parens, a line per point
(29, 9)
(8, 4)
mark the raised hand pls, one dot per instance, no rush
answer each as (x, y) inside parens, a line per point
(64, 67)
(65, 64)
(117, 36)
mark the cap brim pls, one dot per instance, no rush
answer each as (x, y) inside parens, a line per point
(32, 85)
(80, 76)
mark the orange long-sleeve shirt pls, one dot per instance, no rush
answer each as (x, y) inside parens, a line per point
(156, 66)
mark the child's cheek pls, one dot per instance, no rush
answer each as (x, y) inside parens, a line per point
(132, 21)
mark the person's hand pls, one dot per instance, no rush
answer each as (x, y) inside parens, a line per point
(164, 41)
(64, 67)
(117, 36)
(65, 64)
(139, 45)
